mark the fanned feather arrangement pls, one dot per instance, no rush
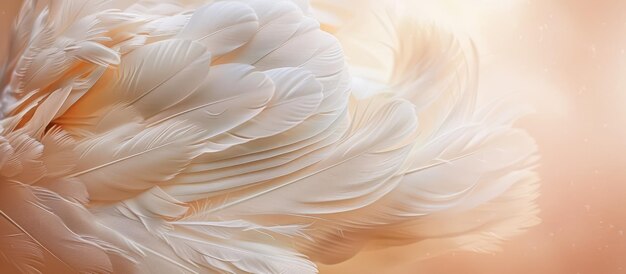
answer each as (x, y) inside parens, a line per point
(199, 136)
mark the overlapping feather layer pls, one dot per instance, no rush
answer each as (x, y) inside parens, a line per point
(229, 137)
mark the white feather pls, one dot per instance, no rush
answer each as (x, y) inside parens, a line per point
(238, 137)
(221, 34)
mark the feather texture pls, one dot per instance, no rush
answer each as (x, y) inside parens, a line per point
(224, 34)
(190, 136)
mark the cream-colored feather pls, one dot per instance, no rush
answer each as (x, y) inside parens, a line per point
(192, 136)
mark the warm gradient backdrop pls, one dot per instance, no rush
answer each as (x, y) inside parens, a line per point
(567, 58)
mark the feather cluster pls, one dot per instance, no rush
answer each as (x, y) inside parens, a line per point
(244, 136)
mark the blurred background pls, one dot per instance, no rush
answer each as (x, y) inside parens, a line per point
(567, 58)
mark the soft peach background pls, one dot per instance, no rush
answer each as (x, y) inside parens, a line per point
(566, 58)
